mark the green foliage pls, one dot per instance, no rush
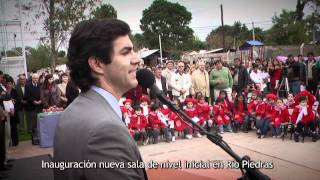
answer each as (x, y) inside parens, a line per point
(286, 30)
(38, 58)
(61, 54)
(234, 36)
(105, 11)
(59, 17)
(138, 41)
(170, 20)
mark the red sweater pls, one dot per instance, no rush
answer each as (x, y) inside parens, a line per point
(280, 115)
(309, 117)
(239, 113)
(138, 122)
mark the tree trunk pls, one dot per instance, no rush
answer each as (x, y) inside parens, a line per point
(53, 54)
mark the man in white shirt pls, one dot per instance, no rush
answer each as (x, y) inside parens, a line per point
(168, 73)
(181, 83)
(257, 77)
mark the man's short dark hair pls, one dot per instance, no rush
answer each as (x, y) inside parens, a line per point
(92, 38)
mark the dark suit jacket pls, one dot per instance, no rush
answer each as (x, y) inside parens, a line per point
(164, 88)
(20, 96)
(89, 129)
(32, 93)
(243, 78)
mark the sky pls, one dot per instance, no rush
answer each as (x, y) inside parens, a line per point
(205, 15)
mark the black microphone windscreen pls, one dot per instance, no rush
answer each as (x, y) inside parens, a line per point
(145, 78)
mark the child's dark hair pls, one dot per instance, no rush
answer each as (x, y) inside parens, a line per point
(219, 100)
(226, 98)
(154, 107)
(244, 102)
(260, 96)
(136, 107)
(281, 99)
(199, 95)
(303, 98)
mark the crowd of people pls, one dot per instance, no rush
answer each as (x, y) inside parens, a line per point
(262, 95)
(217, 96)
(23, 99)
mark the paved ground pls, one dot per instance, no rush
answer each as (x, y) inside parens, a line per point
(290, 160)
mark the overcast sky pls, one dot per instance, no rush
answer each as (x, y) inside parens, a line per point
(205, 14)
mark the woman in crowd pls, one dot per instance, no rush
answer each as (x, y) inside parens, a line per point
(12, 95)
(275, 74)
(62, 87)
(50, 93)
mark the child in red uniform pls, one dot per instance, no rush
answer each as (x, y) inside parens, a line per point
(144, 103)
(191, 111)
(127, 111)
(240, 114)
(204, 109)
(303, 116)
(264, 123)
(139, 124)
(221, 115)
(280, 116)
(156, 124)
(170, 122)
(257, 110)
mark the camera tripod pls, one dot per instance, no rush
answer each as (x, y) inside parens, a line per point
(283, 87)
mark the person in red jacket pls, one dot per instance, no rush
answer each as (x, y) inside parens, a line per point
(191, 111)
(280, 116)
(240, 114)
(302, 117)
(257, 111)
(264, 123)
(139, 123)
(221, 115)
(157, 124)
(127, 111)
(204, 110)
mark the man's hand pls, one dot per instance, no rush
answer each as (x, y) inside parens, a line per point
(219, 81)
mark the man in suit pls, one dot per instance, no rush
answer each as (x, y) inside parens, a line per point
(21, 101)
(103, 64)
(240, 77)
(161, 83)
(32, 96)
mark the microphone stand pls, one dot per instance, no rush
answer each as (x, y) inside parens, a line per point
(251, 173)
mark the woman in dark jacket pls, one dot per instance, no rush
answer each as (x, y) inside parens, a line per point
(14, 118)
(50, 93)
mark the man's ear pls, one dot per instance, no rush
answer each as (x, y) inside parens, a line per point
(95, 65)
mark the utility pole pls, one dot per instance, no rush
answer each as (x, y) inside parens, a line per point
(223, 42)
(160, 48)
(253, 35)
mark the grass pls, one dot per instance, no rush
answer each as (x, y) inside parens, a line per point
(24, 136)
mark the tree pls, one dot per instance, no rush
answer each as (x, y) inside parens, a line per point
(38, 58)
(286, 30)
(105, 11)
(59, 17)
(138, 41)
(170, 21)
(234, 36)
